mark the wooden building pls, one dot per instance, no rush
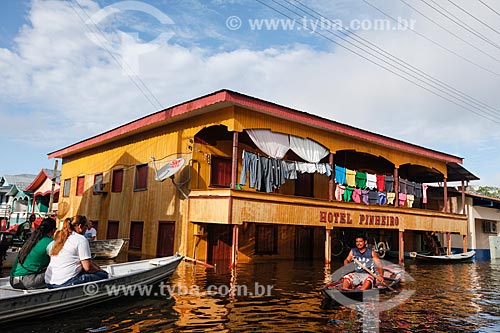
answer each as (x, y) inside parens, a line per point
(203, 211)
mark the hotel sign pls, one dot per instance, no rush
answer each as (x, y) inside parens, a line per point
(360, 219)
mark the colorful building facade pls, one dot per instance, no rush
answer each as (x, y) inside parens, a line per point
(289, 205)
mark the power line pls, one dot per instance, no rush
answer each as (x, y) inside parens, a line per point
(450, 32)
(379, 65)
(434, 42)
(151, 98)
(462, 24)
(493, 10)
(403, 63)
(475, 18)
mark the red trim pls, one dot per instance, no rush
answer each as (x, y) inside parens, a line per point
(259, 105)
(38, 181)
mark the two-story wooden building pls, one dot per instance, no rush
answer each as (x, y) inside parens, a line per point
(256, 180)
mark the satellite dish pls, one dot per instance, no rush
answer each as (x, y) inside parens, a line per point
(169, 169)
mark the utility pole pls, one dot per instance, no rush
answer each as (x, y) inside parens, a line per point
(51, 201)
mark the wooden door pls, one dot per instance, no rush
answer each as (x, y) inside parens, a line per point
(304, 240)
(112, 230)
(165, 243)
(220, 241)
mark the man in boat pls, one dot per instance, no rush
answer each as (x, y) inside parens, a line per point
(369, 259)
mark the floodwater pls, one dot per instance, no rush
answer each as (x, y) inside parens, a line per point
(442, 298)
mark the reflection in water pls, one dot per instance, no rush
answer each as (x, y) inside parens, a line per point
(447, 298)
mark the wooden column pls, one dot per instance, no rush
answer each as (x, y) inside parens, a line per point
(328, 247)
(448, 243)
(401, 248)
(464, 241)
(464, 211)
(445, 196)
(396, 187)
(331, 181)
(234, 248)
(234, 162)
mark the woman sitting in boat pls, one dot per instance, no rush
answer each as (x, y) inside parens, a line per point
(28, 271)
(70, 258)
(369, 259)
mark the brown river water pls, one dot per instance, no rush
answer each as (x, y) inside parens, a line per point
(283, 296)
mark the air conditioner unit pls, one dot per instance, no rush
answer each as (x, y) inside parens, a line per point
(99, 188)
(490, 227)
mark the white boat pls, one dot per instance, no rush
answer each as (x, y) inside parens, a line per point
(108, 248)
(16, 304)
(450, 258)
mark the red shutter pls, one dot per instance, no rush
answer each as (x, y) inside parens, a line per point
(141, 177)
(220, 173)
(112, 230)
(80, 185)
(117, 181)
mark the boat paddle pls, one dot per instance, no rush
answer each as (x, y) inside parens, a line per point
(196, 261)
(372, 274)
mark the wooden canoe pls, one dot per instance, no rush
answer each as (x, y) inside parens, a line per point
(450, 258)
(333, 294)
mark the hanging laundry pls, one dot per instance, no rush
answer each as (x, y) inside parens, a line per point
(339, 192)
(348, 193)
(382, 198)
(373, 197)
(249, 164)
(418, 190)
(381, 183)
(390, 198)
(360, 179)
(424, 193)
(410, 188)
(402, 185)
(340, 175)
(305, 167)
(350, 177)
(371, 181)
(402, 199)
(365, 196)
(356, 195)
(409, 200)
(389, 183)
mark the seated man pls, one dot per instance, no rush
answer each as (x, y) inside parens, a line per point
(368, 258)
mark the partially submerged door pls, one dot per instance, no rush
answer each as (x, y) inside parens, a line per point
(220, 241)
(165, 243)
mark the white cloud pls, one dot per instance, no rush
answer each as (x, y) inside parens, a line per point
(76, 89)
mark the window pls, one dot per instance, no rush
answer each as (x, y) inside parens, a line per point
(112, 230)
(117, 180)
(136, 228)
(66, 188)
(80, 185)
(266, 239)
(98, 180)
(220, 172)
(141, 177)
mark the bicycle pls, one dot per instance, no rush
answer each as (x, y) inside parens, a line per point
(340, 245)
(381, 248)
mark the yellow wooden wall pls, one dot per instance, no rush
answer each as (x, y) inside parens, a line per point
(162, 201)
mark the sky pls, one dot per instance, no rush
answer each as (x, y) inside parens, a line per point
(70, 70)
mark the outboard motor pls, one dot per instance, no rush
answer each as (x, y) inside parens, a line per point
(6, 239)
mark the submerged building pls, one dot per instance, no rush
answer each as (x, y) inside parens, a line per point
(231, 177)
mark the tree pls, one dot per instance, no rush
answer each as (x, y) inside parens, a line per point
(489, 191)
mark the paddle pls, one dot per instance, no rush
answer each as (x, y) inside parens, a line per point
(196, 261)
(371, 273)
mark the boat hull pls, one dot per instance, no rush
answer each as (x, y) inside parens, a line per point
(108, 248)
(19, 304)
(451, 258)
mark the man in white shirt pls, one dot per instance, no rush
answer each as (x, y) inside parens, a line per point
(91, 233)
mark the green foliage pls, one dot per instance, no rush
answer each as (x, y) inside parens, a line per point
(490, 191)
